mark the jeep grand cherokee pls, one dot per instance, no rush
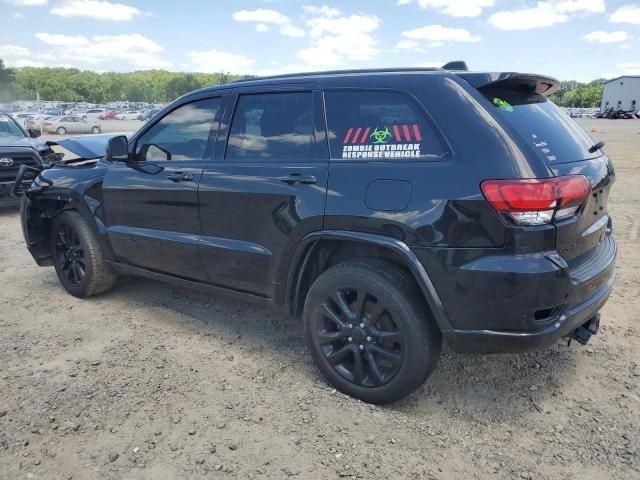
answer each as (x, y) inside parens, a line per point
(388, 209)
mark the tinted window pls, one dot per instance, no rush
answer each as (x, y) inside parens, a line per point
(183, 134)
(272, 126)
(373, 125)
(554, 135)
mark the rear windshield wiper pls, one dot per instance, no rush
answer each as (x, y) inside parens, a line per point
(596, 147)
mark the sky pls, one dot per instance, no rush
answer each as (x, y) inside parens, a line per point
(569, 39)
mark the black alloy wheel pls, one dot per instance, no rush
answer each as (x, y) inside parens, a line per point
(70, 255)
(359, 337)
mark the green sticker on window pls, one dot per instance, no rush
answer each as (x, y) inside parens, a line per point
(503, 104)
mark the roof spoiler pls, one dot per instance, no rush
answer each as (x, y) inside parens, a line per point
(456, 65)
(540, 84)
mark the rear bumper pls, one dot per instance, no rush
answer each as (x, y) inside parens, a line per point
(518, 303)
(496, 341)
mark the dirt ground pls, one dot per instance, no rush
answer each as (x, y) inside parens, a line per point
(153, 382)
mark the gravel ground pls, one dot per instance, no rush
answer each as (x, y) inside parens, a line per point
(153, 382)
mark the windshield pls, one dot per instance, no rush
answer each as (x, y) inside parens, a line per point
(8, 128)
(556, 137)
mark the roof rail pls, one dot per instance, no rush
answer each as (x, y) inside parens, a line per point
(335, 72)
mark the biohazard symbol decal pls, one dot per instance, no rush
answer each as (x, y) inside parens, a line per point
(502, 104)
(380, 136)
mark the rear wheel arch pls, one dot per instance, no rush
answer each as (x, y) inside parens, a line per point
(319, 251)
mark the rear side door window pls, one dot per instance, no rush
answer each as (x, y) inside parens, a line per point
(182, 134)
(379, 125)
(272, 126)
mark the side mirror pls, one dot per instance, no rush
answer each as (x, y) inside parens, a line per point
(34, 133)
(118, 149)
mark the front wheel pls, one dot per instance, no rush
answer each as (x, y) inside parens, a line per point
(78, 257)
(369, 332)
(61, 131)
(95, 130)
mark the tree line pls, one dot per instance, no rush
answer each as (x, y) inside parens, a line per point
(73, 85)
(158, 86)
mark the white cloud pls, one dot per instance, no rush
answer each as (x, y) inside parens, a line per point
(262, 15)
(629, 68)
(28, 3)
(13, 51)
(438, 33)
(544, 14)
(217, 61)
(62, 40)
(626, 14)
(25, 62)
(336, 40)
(403, 2)
(289, 30)
(134, 49)
(407, 45)
(97, 9)
(324, 11)
(18, 15)
(606, 37)
(457, 8)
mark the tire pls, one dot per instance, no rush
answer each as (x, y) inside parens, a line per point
(74, 243)
(61, 130)
(397, 343)
(95, 129)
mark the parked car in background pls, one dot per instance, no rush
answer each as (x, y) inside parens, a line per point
(21, 117)
(108, 115)
(93, 114)
(129, 115)
(70, 124)
(18, 148)
(148, 114)
(34, 122)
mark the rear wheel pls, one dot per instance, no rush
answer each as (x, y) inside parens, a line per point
(369, 332)
(78, 257)
(61, 131)
(95, 129)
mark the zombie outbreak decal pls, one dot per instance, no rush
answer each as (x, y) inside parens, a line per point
(399, 141)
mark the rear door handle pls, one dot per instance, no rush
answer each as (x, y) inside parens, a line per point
(294, 178)
(180, 177)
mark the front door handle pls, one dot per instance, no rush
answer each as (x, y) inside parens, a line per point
(180, 177)
(294, 178)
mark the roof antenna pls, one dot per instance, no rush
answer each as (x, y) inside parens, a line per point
(455, 65)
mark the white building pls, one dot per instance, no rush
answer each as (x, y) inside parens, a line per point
(622, 93)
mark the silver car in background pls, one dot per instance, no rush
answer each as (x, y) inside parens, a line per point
(70, 124)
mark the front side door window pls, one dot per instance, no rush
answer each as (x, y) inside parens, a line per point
(182, 134)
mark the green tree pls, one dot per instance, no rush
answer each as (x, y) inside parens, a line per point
(7, 79)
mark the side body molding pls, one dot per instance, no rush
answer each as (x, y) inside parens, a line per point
(306, 249)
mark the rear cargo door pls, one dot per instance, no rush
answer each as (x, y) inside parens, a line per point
(564, 146)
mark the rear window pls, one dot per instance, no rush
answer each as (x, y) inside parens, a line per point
(377, 125)
(538, 121)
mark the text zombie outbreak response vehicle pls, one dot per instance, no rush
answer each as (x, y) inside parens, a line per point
(389, 209)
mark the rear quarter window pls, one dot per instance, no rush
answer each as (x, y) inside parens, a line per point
(379, 125)
(555, 136)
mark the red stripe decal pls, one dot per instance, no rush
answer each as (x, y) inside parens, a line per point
(416, 132)
(365, 135)
(396, 131)
(356, 135)
(407, 135)
(346, 139)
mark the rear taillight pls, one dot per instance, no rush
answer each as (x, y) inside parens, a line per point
(537, 201)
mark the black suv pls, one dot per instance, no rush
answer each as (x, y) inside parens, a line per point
(388, 209)
(18, 148)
